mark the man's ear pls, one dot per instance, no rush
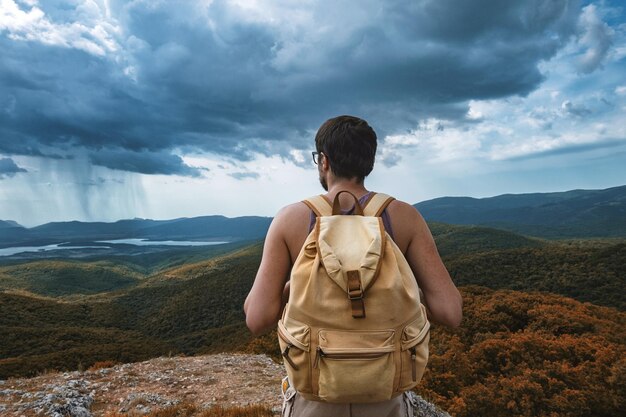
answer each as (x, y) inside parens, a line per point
(325, 164)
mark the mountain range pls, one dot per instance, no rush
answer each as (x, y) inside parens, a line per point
(204, 227)
(576, 213)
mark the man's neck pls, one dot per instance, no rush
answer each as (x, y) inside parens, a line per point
(356, 188)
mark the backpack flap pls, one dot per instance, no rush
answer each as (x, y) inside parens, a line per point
(351, 249)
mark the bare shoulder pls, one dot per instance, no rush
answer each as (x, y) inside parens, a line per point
(407, 223)
(291, 213)
(400, 207)
(406, 214)
(292, 224)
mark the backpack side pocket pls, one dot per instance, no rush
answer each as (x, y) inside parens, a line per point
(414, 352)
(294, 340)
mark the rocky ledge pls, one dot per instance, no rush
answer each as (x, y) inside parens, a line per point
(141, 388)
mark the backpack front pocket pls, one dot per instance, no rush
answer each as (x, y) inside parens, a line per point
(294, 340)
(355, 366)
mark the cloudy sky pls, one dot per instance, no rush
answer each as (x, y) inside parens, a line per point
(116, 109)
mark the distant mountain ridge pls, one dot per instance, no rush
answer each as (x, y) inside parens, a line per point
(576, 213)
(9, 224)
(204, 227)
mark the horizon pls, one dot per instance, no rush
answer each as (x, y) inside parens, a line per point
(102, 117)
(257, 215)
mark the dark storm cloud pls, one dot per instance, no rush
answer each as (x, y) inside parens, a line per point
(183, 78)
(143, 162)
(9, 168)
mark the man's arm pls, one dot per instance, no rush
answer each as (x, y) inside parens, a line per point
(441, 297)
(265, 301)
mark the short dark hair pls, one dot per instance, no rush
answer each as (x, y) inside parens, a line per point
(350, 145)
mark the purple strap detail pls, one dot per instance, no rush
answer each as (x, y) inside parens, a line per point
(384, 215)
(312, 221)
(387, 223)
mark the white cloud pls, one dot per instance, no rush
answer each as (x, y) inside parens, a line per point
(298, 156)
(432, 141)
(474, 113)
(90, 31)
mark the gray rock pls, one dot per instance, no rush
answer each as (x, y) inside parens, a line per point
(7, 392)
(68, 400)
(144, 400)
(422, 408)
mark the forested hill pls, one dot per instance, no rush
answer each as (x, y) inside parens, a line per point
(576, 213)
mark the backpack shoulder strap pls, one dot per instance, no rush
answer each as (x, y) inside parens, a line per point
(377, 204)
(319, 205)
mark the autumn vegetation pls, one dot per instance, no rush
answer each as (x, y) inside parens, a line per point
(528, 354)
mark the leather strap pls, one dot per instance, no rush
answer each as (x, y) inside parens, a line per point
(319, 205)
(373, 206)
(355, 294)
(377, 204)
(358, 210)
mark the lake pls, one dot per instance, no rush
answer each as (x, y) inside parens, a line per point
(137, 242)
(145, 242)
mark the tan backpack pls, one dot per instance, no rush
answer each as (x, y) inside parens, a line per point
(354, 329)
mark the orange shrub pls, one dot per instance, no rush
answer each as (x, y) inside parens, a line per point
(528, 354)
(102, 365)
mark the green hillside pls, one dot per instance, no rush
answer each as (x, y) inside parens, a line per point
(99, 274)
(57, 278)
(457, 239)
(585, 272)
(196, 308)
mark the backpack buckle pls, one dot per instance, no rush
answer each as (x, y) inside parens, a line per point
(355, 294)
